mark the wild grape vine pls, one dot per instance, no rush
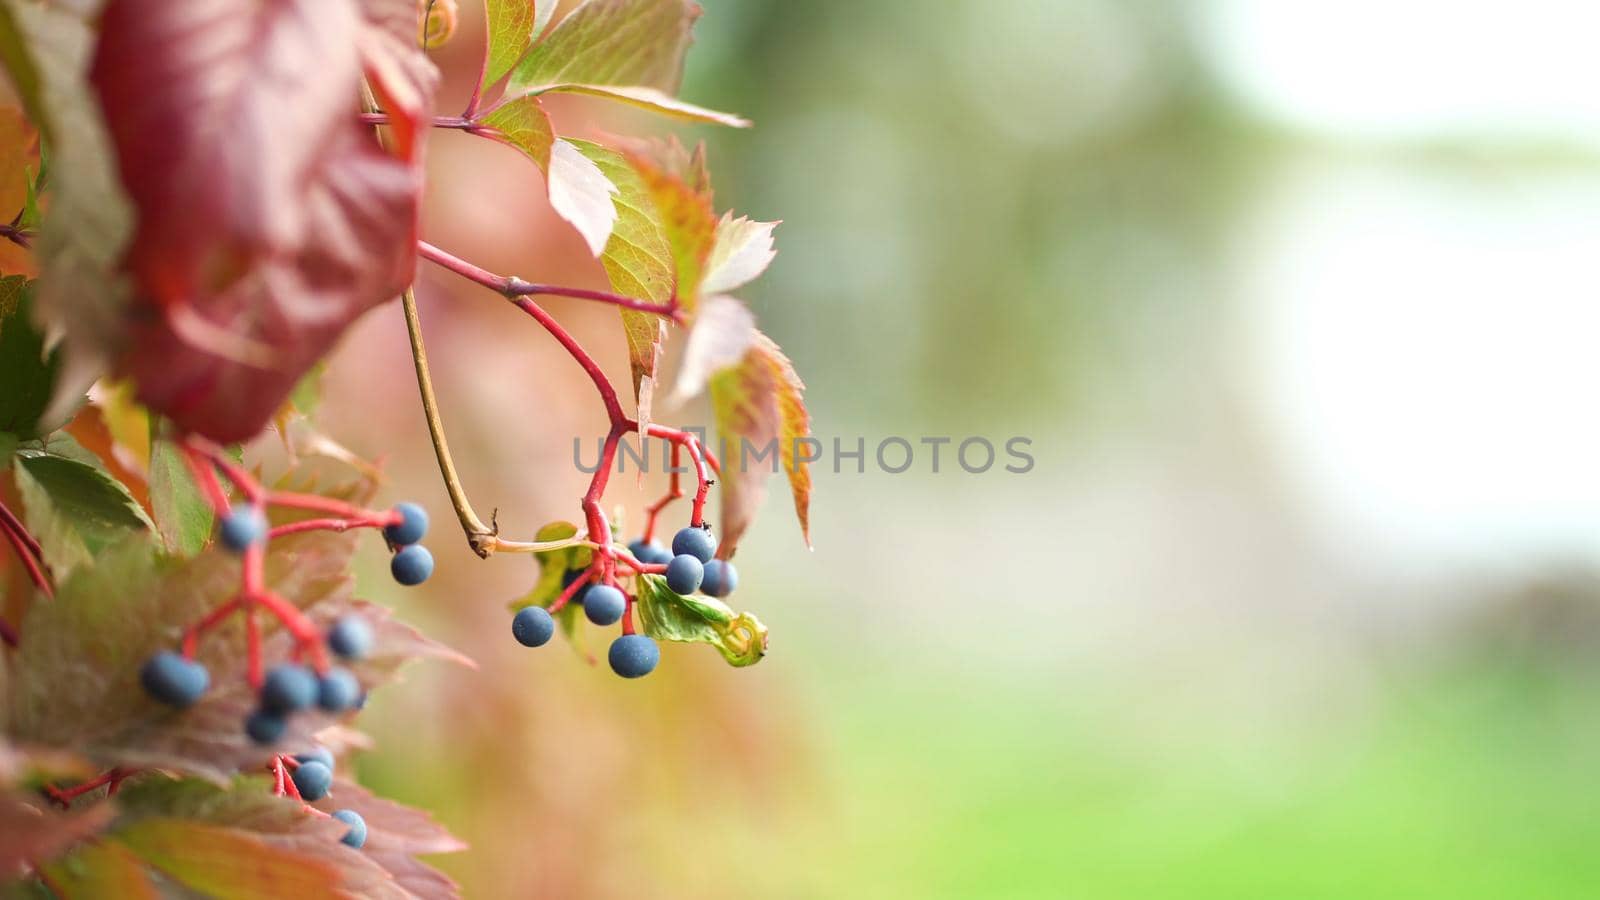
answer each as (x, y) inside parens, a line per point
(211, 193)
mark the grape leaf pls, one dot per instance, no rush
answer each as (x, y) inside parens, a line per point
(759, 400)
(101, 869)
(638, 260)
(46, 49)
(183, 517)
(31, 831)
(627, 42)
(400, 73)
(742, 251)
(723, 331)
(238, 292)
(248, 805)
(76, 510)
(581, 193)
(668, 616)
(225, 862)
(553, 564)
(26, 370)
(647, 98)
(512, 25)
(523, 124)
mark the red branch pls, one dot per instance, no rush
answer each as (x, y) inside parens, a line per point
(111, 780)
(28, 551)
(512, 287)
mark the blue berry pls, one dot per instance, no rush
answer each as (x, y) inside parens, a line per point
(316, 754)
(684, 574)
(721, 578)
(412, 527)
(241, 527)
(174, 680)
(532, 626)
(350, 637)
(312, 779)
(696, 542)
(288, 687)
(412, 565)
(357, 835)
(265, 726)
(634, 656)
(649, 552)
(604, 605)
(338, 690)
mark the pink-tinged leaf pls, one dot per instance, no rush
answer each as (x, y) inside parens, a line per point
(391, 825)
(760, 400)
(103, 869)
(401, 75)
(31, 831)
(723, 331)
(511, 25)
(247, 805)
(581, 193)
(226, 862)
(268, 217)
(649, 99)
(742, 251)
(629, 42)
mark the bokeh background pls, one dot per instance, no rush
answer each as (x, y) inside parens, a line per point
(1296, 303)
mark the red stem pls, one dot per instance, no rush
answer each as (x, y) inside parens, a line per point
(329, 525)
(512, 287)
(26, 547)
(11, 522)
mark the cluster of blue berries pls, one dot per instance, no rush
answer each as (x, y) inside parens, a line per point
(179, 682)
(313, 778)
(412, 563)
(690, 568)
(291, 687)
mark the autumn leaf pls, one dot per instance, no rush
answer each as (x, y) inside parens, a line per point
(723, 331)
(647, 98)
(73, 506)
(238, 292)
(741, 252)
(27, 370)
(511, 25)
(611, 42)
(759, 404)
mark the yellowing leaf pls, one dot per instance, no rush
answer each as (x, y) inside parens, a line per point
(759, 407)
(581, 193)
(226, 862)
(742, 251)
(638, 261)
(512, 25)
(630, 42)
(523, 124)
(649, 98)
(102, 869)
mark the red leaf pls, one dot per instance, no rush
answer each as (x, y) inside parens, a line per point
(268, 217)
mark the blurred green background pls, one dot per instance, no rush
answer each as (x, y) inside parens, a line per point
(1296, 303)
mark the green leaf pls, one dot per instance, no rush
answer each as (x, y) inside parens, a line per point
(553, 564)
(522, 123)
(183, 517)
(74, 508)
(26, 370)
(224, 862)
(650, 99)
(628, 42)
(101, 869)
(512, 26)
(668, 616)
